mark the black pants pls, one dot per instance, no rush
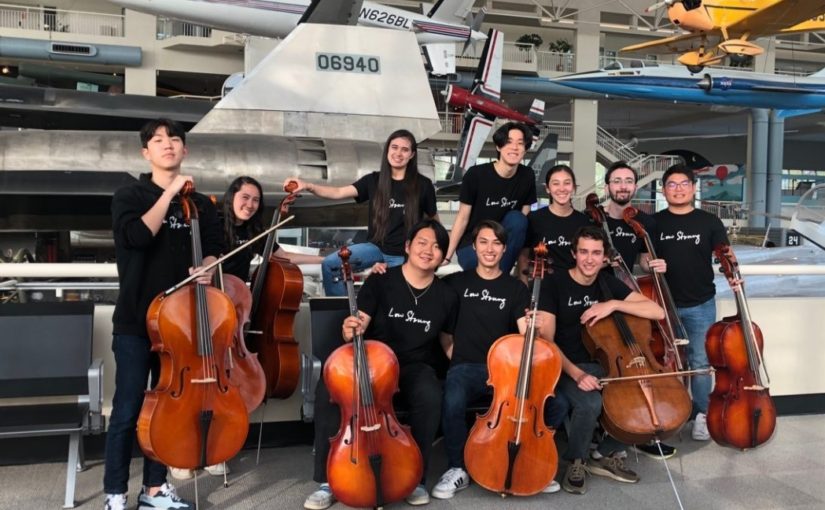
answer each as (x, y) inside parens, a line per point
(421, 393)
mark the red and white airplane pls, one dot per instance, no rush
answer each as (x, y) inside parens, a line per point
(482, 106)
(437, 31)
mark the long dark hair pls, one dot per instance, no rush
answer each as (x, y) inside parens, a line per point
(381, 200)
(254, 224)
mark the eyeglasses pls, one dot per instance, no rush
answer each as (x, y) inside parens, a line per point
(674, 185)
(617, 181)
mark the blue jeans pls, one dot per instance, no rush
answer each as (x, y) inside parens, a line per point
(515, 224)
(697, 321)
(586, 408)
(133, 364)
(465, 383)
(364, 256)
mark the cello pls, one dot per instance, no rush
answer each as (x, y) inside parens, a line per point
(510, 450)
(194, 417)
(599, 217)
(643, 401)
(373, 460)
(741, 413)
(244, 369)
(276, 297)
(670, 332)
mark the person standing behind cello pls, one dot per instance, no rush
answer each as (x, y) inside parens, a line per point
(620, 181)
(242, 220)
(399, 197)
(570, 299)
(492, 305)
(408, 308)
(152, 246)
(685, 238)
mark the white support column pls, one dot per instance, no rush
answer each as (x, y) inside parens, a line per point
(141, 29)
(585, 111)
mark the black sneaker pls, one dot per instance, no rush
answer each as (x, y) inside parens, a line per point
(575, 481)
(612, 466)
(652, 451)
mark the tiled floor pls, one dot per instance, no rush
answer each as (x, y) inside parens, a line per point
(786, 473)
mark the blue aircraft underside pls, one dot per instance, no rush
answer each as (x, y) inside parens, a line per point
(739, 93)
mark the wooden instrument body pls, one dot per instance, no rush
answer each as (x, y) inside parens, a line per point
(662, 348)
(737, 416)
(244, 370)
(170, 426)
(636, 411)
(278, 352)
(350, 475)
(486, 452)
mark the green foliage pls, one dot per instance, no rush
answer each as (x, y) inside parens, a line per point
(561, 46)
(534, 39)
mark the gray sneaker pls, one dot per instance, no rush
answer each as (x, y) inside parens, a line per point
(418, 497)
(167, 498)
(320, 499)
(115, 502)
(612, 466)
(575, 481)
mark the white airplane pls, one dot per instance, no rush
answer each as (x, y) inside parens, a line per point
(437, 31)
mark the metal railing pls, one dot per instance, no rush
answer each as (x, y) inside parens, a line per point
(452, 123)
(174, 28)
(60, 20)
(555, 61)
(564, 130)
(619, 149)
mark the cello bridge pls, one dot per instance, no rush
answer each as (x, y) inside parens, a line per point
(206, 380)
(516, 420)
(755, 387)
(370, 428)
(638, 361)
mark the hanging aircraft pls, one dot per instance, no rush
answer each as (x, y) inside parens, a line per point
(727, 87)
(448, 22)
(729, 27)
(483, 105)
(329, 130)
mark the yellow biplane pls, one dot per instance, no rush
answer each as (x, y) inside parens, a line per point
(719, 28)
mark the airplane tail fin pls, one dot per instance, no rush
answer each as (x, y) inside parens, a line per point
(537, 111)
(331, 81)
(474, 22)
(488, 74)
(476, 130)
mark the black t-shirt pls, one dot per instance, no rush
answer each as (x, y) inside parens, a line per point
(396, 233)
(567, 299)
(239, 263)
(686, 242)
(557, 232)
(624, 238)
(492, 196)
(487, 310)
(410, 329)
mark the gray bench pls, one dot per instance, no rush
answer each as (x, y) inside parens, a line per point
(46, 351)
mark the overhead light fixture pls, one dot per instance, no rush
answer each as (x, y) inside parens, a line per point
(5, 70)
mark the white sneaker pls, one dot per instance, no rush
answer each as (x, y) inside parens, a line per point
(217, 469)
(181, 473)
(320, 499)
(454, 479)
(552, 487)
(418, 497)
(115, 502)
(700, 428)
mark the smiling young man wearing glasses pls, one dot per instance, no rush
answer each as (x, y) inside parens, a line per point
(685, 238)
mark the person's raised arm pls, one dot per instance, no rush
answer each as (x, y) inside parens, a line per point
(319, 190)
(153, 218)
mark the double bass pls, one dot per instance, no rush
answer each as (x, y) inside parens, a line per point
(741, 413)
(277, 289)
(510, 450)
(373, 460)
(642, 401)
(194, 417)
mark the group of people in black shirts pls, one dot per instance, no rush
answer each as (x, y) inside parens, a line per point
(422, 317)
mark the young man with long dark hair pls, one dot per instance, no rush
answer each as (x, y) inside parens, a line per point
(398, 196)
